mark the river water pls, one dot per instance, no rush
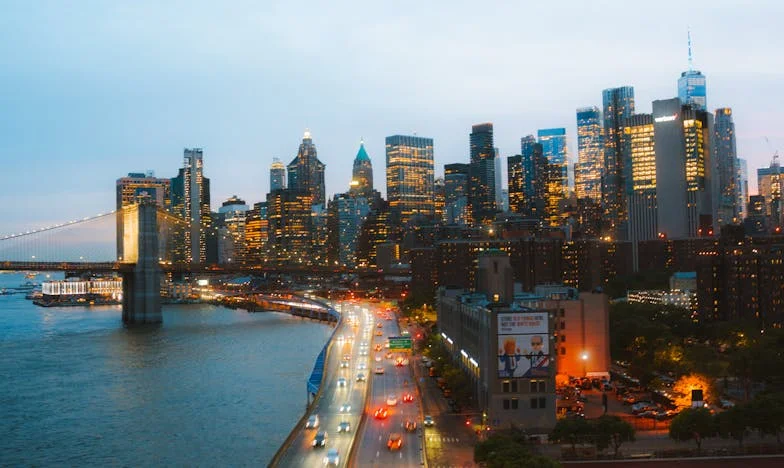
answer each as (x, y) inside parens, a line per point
(209, 387)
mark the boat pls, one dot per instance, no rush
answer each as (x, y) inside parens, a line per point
(30, 275)
(5, 292)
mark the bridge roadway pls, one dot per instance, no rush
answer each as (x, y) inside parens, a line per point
(348, 339)
(396, 380)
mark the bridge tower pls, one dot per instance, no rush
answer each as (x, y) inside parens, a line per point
(141, 301)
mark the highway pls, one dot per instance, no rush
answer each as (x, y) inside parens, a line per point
(395, 380)
(344, 361)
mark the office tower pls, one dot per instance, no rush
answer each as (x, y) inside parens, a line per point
(618, 105)
(743, 187)
(133, 186)
(456, 210)
(256, 233)
(769, 180)
(683, 162)
(191, 201)
(232, 246)
(290, 230)
(516, 181)
(528, 151)
(726, 161)
(306, 172)
(590, 154)
(374, 232)
(639, 143)
(277, 175)
(362, 173)
(410, 179)
(692, 86)
(553, 141)
(499, 197)
(439, 200)
(347, 214)
(481, 184)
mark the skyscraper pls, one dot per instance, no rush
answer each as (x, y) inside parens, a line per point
(456, 194)
(499, 197)
(553, 141)
(726, 160)
(769, 186)
(277, 175)
(683, 161)
(692, 86)
(618, 106)
(590, 154)
(743, 187)
(362, 173)
(639, 143)
(306, 172)
(528, 151)
(481, 185)
(516, 176)
(410, 178)
(290, 230)
(232, 247)
(191, 201)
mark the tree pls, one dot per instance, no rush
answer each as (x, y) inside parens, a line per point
(571, 430)
(733, 423)
(693, 424)
(503, 451)
(612, 431)
(766, 414)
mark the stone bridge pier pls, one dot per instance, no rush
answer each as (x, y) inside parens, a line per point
(141, 302)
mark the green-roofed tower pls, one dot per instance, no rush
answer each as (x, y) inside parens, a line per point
(362, 175)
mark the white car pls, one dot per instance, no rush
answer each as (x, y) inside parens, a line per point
(332, 458)
(345, 407)
(379, 370)
(313, 422)
(361, 366)
(391, 400)
(341, 382)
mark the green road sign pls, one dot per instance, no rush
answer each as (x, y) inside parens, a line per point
(399, 342)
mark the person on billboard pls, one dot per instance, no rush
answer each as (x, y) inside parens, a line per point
(539, 360)
(509, 356)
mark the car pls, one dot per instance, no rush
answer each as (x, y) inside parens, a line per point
(313, 422)
(363, 352)
(364, 344)
(378, 333)
(344, 426)
(341, 382)
(428, 422)
(361, 366)
(391, 400)
(408, 398)
(399, 362)
(345, 407)
(346, 357)
(379, 325)
(377, 347)
(343, 364)
(332, 458)
(381, 413)
(410, 425)
(388, 355)
(379, 370)
(395, 441)
(360, 377)
(320, 440)
(726, 404)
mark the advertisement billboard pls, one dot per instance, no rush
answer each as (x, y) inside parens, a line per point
(523, 345)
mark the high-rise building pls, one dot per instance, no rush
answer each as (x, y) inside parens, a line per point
(516, 178)
(191, 201)
(306, 172)
(692, 86)
(232, 247)
(618, 106)
(410, 179)
(553, 141)
(133, 186)
(351, 213)
(639, 142)
(726, 161)
(256, 234)
(499, 187)
(683, 175)
(289, 216)
(769, 186)
(277, 175)
(743, 187)
(481, 185)
(456, 194)
(439, 200)
(362, 173)
(590, 154)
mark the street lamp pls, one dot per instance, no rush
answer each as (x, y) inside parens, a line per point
(584, 357)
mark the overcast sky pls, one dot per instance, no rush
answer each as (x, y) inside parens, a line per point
(92, 90)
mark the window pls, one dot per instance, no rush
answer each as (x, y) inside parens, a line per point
(506, 404)
(561, 313)
(563, 338)
(506, 385)
(563, 350)
(542, 402)
(542, 386)
(514, 386)
(534, 403)
(563, 325)
(533, 386)
(515, 403)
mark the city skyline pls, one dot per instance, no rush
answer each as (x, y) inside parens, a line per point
(120, 89)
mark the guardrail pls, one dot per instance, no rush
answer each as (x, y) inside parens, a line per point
(318, 366)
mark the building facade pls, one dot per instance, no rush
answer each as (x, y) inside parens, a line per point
(553, 141)
(277, 175)
(618, 105)
(456, 209)
(639, 146)
(362, 173)
(128, 189)
(726, 159)
(306, 172)
(410, 179)
(191, 201)
(590, 154)
(482, 178)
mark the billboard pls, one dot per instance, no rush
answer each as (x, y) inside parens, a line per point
(523, 345)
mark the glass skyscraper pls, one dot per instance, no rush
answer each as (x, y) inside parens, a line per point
(692, 89)
(618, 105)
(481, 194)
(362, 173)
(725, 152)
(639, 144)
(456, 194)
(590, 154)
(277, 175)
(410, 178)
(306, 172)
(190, 192)
(553, 141)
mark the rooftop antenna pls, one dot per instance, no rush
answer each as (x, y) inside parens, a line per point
(688, 35)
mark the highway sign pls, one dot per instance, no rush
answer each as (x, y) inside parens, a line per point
(399, 343)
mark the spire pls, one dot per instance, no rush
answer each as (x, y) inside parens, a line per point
(306, 136)
(688, 36)
(362, 154)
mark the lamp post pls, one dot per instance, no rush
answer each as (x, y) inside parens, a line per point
(584, 357)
